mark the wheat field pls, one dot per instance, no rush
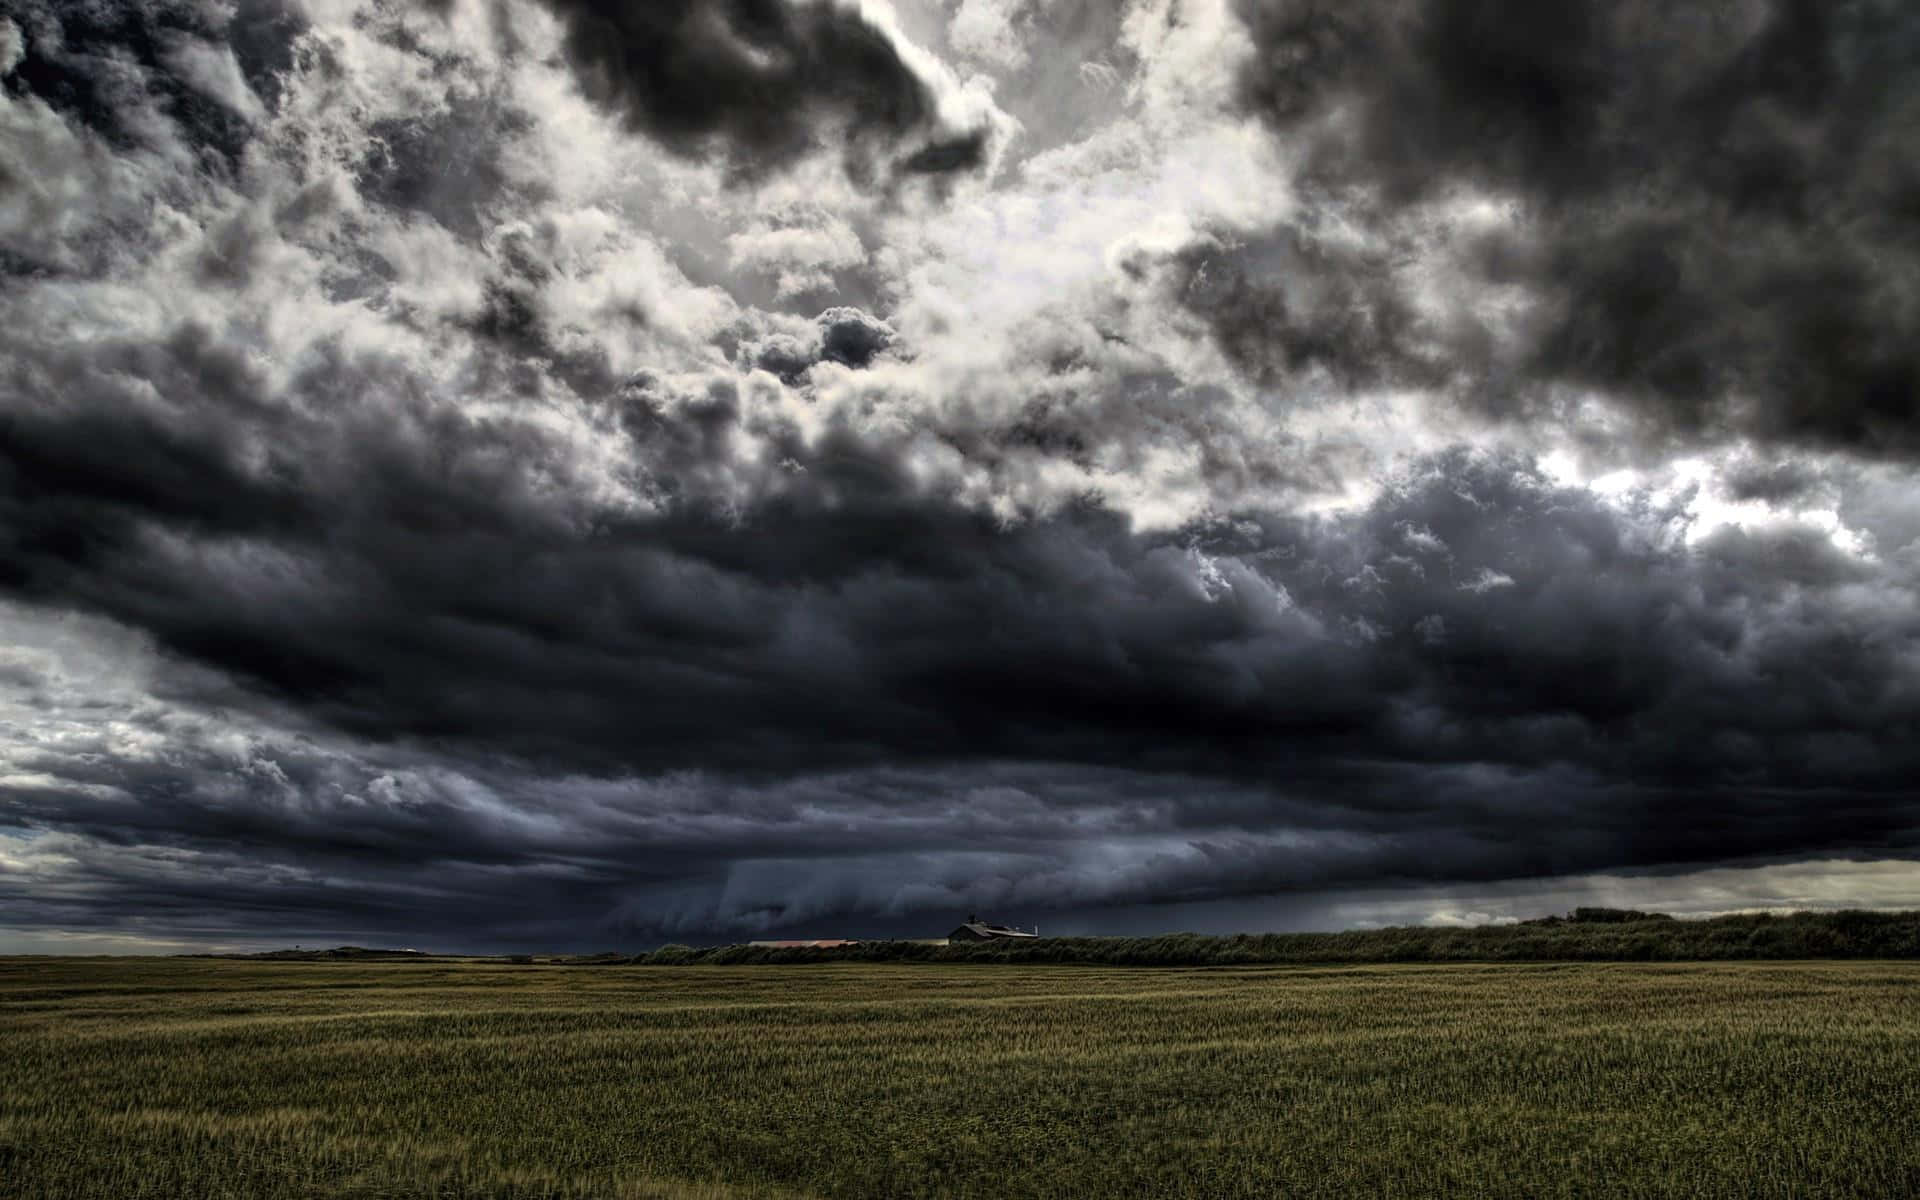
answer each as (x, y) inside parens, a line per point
(208, 1078)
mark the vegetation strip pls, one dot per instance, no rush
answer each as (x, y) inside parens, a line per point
(1585, 935)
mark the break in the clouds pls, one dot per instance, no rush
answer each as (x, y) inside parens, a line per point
(547, 473)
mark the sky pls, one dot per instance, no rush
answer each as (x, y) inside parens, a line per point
(566, 474)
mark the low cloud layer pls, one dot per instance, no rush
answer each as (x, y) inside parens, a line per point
(551, 473)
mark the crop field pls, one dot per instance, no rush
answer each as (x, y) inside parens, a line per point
(209, 1079)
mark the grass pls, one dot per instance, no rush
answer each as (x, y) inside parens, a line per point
(208, 1078)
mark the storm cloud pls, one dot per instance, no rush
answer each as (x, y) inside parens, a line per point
(760, 82)
(557, 474)
(1716, 209)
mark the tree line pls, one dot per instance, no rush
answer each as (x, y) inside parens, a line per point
(1583, 935)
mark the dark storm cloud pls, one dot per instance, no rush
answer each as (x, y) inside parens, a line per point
(411, 576)
(1720, 208)
(446, 165)
(963, 153)
(108, 65)
(486, 574)
(1290, 306)
(119, 111)
(1776, 481)
(242, 836)
(759, 83)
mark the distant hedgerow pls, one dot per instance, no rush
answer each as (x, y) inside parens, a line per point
(1584, 935)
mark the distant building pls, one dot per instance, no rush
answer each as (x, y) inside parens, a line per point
(976, 930)
(807, 943)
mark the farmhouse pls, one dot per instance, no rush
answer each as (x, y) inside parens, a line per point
(976, 930)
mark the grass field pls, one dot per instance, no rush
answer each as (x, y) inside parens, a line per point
(184, 1078)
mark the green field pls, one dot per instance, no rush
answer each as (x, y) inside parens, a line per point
(201, 1078)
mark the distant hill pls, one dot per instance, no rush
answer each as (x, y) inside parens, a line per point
(1584, 935)
(338, 953)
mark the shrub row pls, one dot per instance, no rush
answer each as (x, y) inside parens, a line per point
(1586, 935)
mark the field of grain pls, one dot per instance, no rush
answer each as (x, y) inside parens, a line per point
(193, 1078)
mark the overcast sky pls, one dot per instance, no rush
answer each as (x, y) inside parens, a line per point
(489, 474)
